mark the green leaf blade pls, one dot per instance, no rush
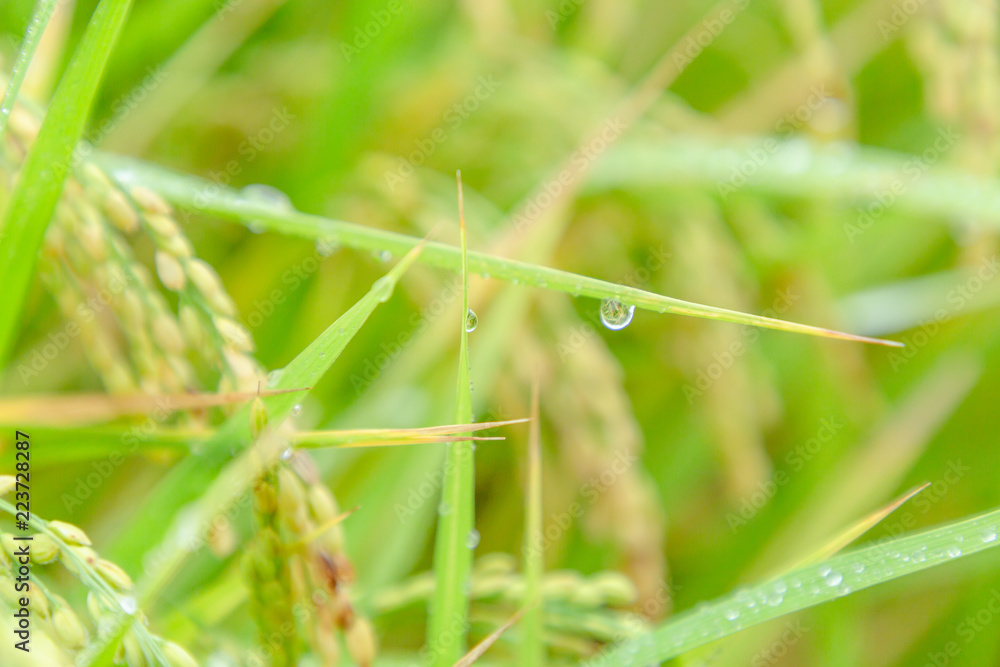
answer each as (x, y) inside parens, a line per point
(39, 185)
(449, 622)
(807, 587)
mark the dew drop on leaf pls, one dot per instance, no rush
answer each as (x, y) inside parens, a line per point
(471, 321)
(472, 539)
(616, 315)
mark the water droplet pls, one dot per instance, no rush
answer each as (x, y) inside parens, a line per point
(472, 539)
(326, 247)
(128, 604)
(989, 536)
(265, 194)
(385, 256)
(834, 579)
(954, 552)
(616, 315)
(824, 571)
(731, 614)
(471, 321)
(297, 410)
(444, 508)
(287, 454)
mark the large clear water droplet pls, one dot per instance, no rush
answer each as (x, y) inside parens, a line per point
(989, 535)
(616, 315)
(471, 321)
(296, 410)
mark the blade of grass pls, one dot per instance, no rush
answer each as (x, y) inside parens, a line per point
(32, 37)
(82, 409)
(313, 439)
(860, 528)
(449, 621)
(531, 651)
(190, 478)
(37, 188)
(807, 587)
(190, 192)
(479, 649)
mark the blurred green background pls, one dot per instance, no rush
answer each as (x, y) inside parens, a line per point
(871, 211)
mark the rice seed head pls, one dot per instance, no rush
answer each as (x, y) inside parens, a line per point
(234, 333)
(360, 637)
(68, 627)
(134, 655)
(321, 504)
(170, 271)
(7, 484)
(191, 326)
(120, 212)
(113, 574)
(86, 554)
(167, 334)
(258, 417)
(614, 588)
(43, 549)
(177, 656)
(149, 201)
(207, 281)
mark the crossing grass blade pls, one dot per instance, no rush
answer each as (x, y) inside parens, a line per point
(190, 192)
(82, 409)
(37, 189)
(194, 475)
(806, 587)
(449, 620)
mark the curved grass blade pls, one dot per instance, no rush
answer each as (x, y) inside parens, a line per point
(191, 193)
(853, 532)
(449, 621)
(193, 476)
(807, 587)
(45, 167)
(32, 37)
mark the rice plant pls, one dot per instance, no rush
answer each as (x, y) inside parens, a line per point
(693, 361)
